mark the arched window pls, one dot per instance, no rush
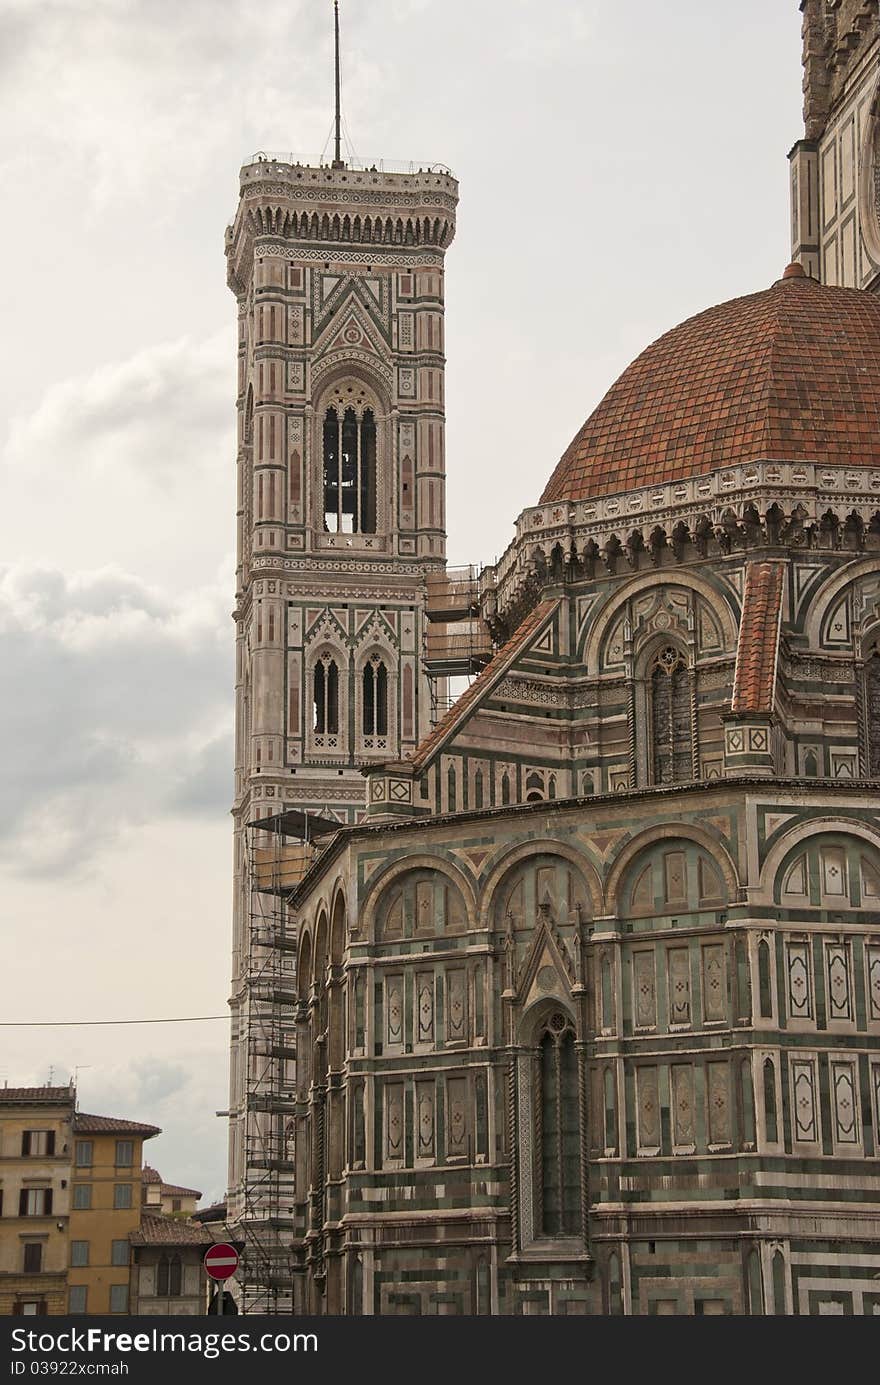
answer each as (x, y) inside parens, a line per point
(765, 997)
(349, 471)
(374, 683)
(748, 1105)
(326, 698)
(872, 712)
(770, 1123)
(534, 787)
(450, 788)
(670, 716)
(559, 1130)
(505, 788)
(478, 789)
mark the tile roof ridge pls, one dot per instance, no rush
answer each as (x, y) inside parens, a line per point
(754, 677)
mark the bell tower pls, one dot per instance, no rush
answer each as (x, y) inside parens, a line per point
(338, 275)
(337, 272)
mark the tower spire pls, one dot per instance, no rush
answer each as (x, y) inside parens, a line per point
(337, 159)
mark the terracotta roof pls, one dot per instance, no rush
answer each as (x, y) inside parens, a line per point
(30, 1094)
(149, 1175)
(755, 677)
(496, 667)
(790, 374)
(109, 1125)
(173, 1190)
(155, 1230)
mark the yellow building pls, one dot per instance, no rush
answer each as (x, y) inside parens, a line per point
(105, 1209)
(167, 1199)
(35, 1140)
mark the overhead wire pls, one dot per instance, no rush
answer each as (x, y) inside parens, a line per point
(78, 1024)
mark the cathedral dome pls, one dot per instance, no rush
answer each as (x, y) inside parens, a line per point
(790, 374)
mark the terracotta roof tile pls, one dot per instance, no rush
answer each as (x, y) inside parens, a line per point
(755, 677)
(49, 1094)
(174, 1190)
(497, 665)
(109, 1125)
(150, 1175)
(789, 374)
(155, 1230)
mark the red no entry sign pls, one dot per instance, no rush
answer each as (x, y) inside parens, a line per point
(221, 1261)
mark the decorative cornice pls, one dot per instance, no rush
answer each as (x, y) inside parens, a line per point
(764, 501)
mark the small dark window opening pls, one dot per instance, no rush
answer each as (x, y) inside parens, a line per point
(765, 999)
(349, 472)
(326, 698)
(770, 1124)
(375, 693)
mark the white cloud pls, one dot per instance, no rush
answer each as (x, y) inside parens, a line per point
(118, 711)
(130, 460)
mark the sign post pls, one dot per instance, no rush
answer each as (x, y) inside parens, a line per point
(221, 1262)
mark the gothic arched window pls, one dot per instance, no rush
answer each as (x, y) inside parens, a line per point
(671, 731)
(872, 713)
(558, 1110)
(374, 681)
(326, 698)
(349, 466)
(770, 1124)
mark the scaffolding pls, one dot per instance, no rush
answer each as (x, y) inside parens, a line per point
(279, 852)
(457, 642)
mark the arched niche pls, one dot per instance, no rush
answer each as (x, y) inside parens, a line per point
(304, 965)
(520, 878)
(827, 613)
(319, 959)
(675, 870)
(785, 879)
(543, 884)
(831, 870)
(675, 879)
(424, 902)
(720, 599)
(337, 928)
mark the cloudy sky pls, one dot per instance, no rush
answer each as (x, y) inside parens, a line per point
(621, 167)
